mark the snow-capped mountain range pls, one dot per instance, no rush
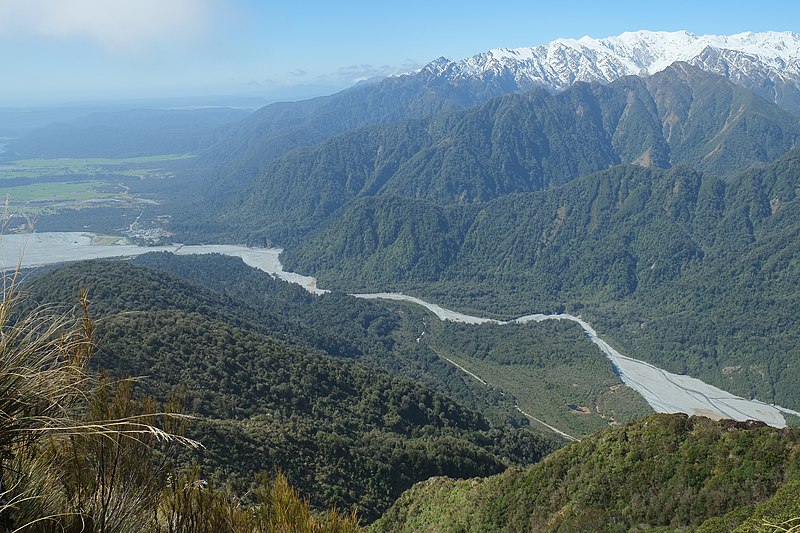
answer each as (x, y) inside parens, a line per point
(766, 62)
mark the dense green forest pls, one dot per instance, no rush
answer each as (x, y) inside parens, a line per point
(408, 341)
(345, 434)
(664, 473)
(81, 453)
(337, 324)
(684, 269)
(512, 143)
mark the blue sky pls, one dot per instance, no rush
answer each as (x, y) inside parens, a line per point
(71, 50)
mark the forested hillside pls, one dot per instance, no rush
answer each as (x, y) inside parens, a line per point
(514, 143)
(559, 364)
(665, 472)
(345, 434)
(240, 153)
(684, 269)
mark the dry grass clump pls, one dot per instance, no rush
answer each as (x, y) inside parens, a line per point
(191, 505)
(789, 526)
(69, 441)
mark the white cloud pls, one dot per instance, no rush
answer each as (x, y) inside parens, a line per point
(116, 25)
(358, 73)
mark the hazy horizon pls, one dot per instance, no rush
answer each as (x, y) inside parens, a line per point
(69, 51)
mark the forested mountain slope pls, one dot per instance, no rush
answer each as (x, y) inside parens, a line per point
(542, 367)
(345, 434)
(687, 270)
(337, 324)
(665, 471)
(516, 143)
(241, 151)
(761, 62)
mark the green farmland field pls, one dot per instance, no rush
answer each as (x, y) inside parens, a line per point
(131, 166)
(53, 192)
(68, 162)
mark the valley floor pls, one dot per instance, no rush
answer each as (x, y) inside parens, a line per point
(664, 391)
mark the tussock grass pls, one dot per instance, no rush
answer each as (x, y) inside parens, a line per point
(191, 505)
(789, 526)
(64, 432)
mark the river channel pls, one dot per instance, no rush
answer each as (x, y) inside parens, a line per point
(664, 391)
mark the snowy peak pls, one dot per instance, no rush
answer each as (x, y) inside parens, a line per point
(437, 66)
(749, 58)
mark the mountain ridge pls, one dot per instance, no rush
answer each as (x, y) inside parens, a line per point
(519, 143)
(446, 86)
(749, 59)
